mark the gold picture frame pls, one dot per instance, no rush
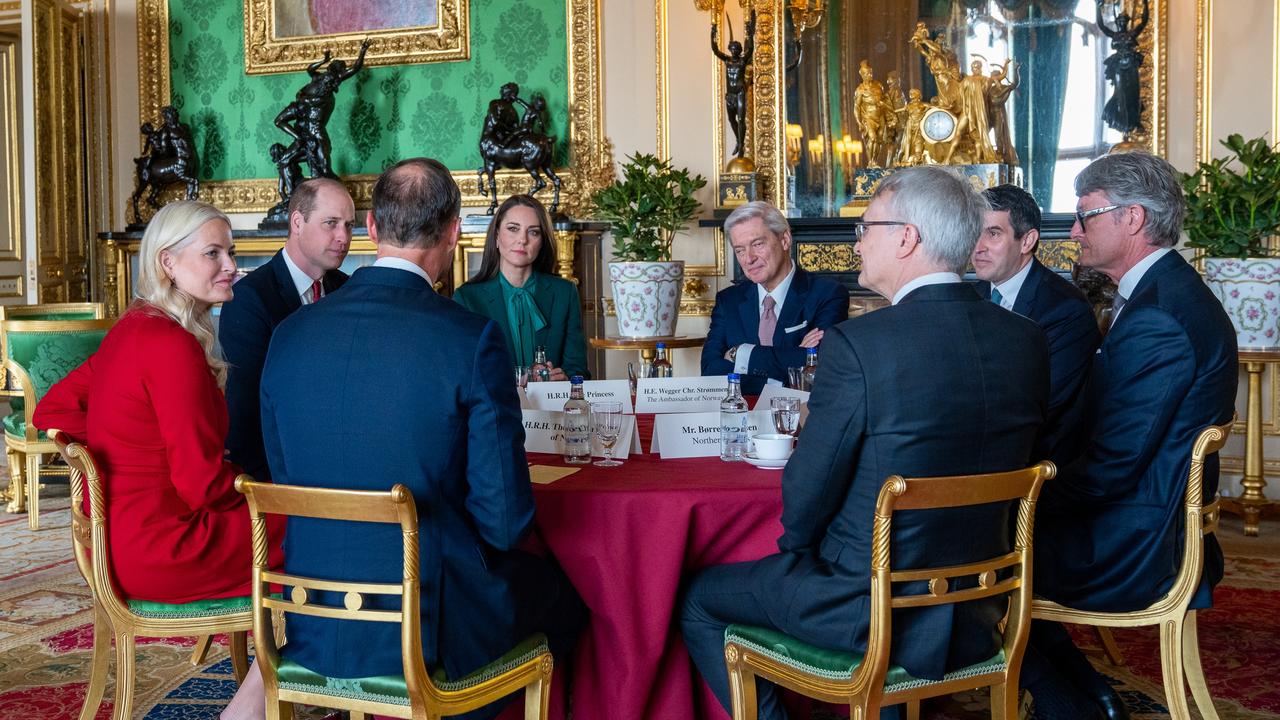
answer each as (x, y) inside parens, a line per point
(591, 165)
(266, 52)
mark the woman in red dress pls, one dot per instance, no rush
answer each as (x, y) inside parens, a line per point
(150, 406)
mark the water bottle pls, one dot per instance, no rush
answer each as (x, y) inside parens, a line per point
(539, 371)
(577, 425)
(661, 365)
(810, 368)
(733, 422)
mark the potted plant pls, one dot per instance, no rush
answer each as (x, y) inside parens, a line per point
(646, 208)
(1233, 207)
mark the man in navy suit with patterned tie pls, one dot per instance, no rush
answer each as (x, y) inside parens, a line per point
(762, 327)
(1109, 527)
(1005, 261)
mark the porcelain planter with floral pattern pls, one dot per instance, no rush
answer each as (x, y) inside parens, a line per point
(1249, 290)
(646, 297)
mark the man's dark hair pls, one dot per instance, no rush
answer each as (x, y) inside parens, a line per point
(414, 202)
(1024, 214)
(304, 195)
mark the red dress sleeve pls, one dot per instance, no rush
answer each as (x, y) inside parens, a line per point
(191, 413)
(65, 407)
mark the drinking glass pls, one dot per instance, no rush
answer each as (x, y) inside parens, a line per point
(522, 375)
(606, 417)
(786, 414)
(795, 378)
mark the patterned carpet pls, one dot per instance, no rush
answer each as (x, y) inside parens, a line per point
(45, 639)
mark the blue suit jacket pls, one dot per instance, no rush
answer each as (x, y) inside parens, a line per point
(1064, 314)
(942, 383)
(387, 382)
(262, 299)
(812, 302)
(1109, 529)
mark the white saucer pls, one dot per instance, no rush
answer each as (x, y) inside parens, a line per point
(764, 464)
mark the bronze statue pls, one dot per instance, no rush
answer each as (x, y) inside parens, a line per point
(289, 166)
(1124, 110)
(998, 93)
(168, 157)
(509, 140)
(736, 81)
(305, 119)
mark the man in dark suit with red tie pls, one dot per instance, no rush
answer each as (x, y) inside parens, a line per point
(1005, 261)
(762, 327)
(1109, 527)
(940, 383)
(321, 215)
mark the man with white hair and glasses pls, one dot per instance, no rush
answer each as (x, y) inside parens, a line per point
(943, 382)
(1109, 528)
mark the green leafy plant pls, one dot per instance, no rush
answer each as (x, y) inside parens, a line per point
(646, 208)
(1231, 211)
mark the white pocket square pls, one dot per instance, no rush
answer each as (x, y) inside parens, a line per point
(794, 328)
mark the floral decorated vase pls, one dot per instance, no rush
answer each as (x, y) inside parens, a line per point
(646, 297)
(1249, 290)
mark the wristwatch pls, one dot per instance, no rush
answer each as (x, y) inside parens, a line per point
(732, 355)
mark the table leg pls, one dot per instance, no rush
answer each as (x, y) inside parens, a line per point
(1252, 503)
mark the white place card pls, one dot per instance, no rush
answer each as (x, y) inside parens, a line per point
(552, 395)
(685, 435)
(544, 433)
(772, 391)
(680, 395)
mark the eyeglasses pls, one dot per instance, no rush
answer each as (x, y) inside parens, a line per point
(1085, 215)
(860, 229)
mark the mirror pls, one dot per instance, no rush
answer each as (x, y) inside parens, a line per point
(1054, 116)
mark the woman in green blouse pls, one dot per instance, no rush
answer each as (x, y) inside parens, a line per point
(517, 288)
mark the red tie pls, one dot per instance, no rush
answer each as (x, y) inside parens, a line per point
(768, 322)
(317, 291)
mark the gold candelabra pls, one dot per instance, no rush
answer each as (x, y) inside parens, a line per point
(795, 138)
(805, 14)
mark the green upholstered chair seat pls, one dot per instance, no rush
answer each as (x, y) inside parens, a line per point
(835, 664)
(15, 425)
(198, 608)
(391, 688)
(47, 357)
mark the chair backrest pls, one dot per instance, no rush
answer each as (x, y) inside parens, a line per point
(1008, 574)
(42, 352)
(89, 533)
(394, 507)
(1200, 519)
(46, 311)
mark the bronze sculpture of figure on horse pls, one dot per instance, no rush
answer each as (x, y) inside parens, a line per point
(511, 140)
(168, 157)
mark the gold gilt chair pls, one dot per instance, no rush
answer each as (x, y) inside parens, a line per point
(39, 354)
(126, 620)
(868, 682)
(415, 694)
(15, 497)
(1179, 644)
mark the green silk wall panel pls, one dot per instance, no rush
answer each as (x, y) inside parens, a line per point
(383, 114)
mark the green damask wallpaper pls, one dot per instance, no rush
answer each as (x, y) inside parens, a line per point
(384, 113)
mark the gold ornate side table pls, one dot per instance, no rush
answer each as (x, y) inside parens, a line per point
(648, 347)
(1253, 504)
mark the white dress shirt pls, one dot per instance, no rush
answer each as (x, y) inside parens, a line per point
(402, 264)
(1009, 288)
(939, 278)
(301, 282)
(742, 360)
(1129, 281)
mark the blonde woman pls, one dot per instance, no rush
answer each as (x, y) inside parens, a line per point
(149, 404)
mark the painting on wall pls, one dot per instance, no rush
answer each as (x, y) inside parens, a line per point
(286, 35)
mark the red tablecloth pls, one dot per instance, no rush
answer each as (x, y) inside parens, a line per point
(628, 537)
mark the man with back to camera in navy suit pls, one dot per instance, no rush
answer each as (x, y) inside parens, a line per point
(387, 382)
(1005, 261)
(321, 215)
(762, 327)
(1108, 533)
(940, 383)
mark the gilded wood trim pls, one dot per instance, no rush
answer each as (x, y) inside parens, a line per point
(1204, 80)
(9, 86)
(662, 56)
(449, 39)
(591, 164)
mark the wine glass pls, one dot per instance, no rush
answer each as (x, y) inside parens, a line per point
(786, 414)
(522, 375)
(795, 378)
(606, 417)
